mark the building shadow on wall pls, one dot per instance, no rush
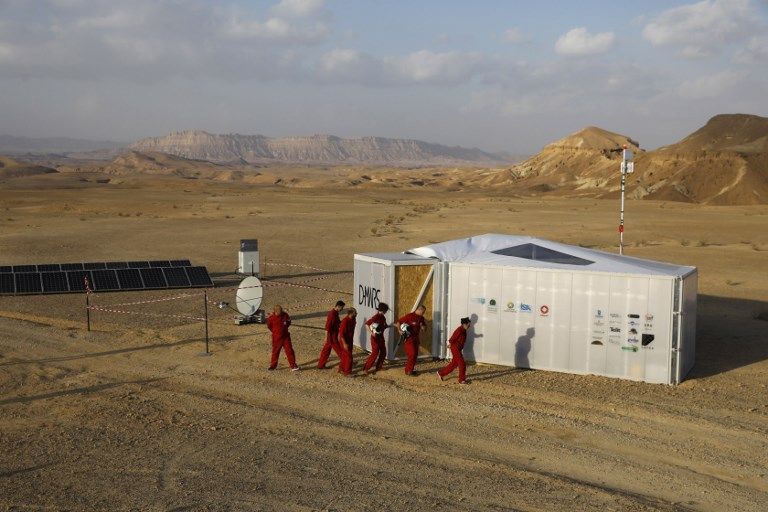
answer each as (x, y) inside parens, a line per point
(730, 333)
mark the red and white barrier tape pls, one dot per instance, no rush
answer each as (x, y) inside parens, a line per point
(310, 287)
(141, 313)
(152, 301)
(295, 265)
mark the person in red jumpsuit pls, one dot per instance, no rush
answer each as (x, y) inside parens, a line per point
(457, 340)
(411, 325)
(278, 324)
(346, 338)
(332, 322)
(377, 324)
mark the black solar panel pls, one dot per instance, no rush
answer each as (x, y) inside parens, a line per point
(6, 283)
(198, 276)
(54, 282)
(176, 277)
(28, 282)
(76, 281)
(102, 276)
(153, 278)
(130, 279)
(105, 280)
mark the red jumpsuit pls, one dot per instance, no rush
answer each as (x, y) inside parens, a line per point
(331, 338)
(346, 337)
(281, 338)
(458, 338)
(378, 346)
(411, 345)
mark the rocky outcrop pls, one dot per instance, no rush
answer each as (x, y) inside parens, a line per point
(317, 149)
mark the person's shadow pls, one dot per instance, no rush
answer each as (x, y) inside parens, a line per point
(523, 348)
(469, 345)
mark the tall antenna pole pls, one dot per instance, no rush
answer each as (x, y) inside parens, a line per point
(627, 167)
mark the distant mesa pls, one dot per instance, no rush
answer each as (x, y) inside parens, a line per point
(316, 149)
(10, 168)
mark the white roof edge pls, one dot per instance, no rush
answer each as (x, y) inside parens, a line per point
(479, 249)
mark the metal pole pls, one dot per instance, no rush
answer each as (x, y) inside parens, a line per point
(88, 310)
(205, 300)
(621, 215)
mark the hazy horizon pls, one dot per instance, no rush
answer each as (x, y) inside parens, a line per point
(491, 75)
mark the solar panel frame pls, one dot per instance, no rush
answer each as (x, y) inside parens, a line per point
(71, 266)
(75, 280)
(138, 264)
(199, 277)
(153, 278)
(105, 281)
(54, 282)
(7, 284)
(114, 265)
(6, 269)
(28, 283)
(176, 277)
(160, 263)
(181, 263)
(130, 279)
(95, 266)
(49, 267)
(19, 269)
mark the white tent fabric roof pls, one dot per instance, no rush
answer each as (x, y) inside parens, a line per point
(479, 249)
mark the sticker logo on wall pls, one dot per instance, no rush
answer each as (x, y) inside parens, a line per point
(633, 315)
(629, 349)
(615, 329)
(525, 308)
(511, 307)
(599, 313)
(478, 300)
(544, 310)
(492, 306)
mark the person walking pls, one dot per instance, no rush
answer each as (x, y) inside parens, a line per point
(332, 322)
(346, 339)
(278, 324)
(456, 343)
(377, 324)
(411, 325)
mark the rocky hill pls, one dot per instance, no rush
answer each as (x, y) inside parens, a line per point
(10, 168)
(317, 149)
(724, 162)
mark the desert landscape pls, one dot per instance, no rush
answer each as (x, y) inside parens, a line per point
(130, 416)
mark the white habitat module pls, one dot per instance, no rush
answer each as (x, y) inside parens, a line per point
(248, 257)
(545, 305)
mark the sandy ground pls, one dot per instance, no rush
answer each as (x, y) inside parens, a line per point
(129, 416)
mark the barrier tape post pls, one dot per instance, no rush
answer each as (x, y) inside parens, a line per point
(87, 304)
(88, 311)
(205, 306)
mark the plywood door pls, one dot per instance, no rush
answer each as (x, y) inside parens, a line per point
(409, 280)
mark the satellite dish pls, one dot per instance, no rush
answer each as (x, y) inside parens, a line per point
(249, 295)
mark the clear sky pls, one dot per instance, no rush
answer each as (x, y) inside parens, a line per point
(499, 75)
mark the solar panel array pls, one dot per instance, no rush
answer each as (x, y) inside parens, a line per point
(109, 276)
